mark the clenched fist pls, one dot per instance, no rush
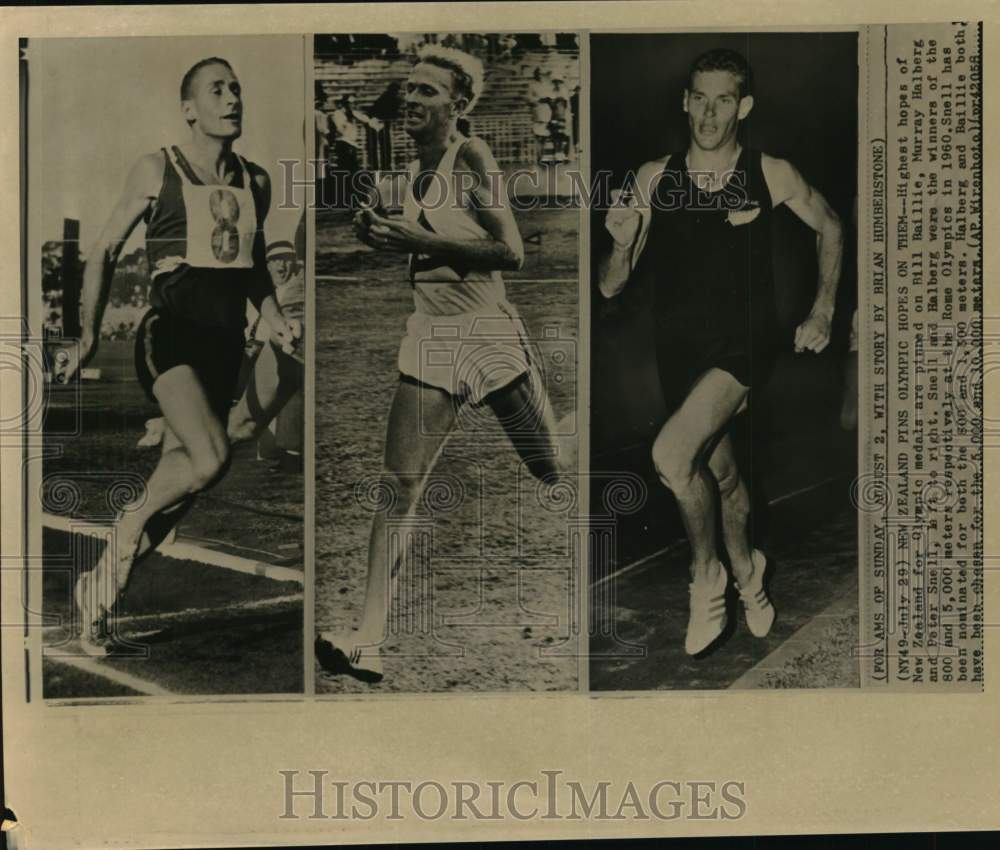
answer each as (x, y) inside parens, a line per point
(622, 220)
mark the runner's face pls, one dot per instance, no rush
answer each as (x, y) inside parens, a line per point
(714, 108)
(430, 106)
(216, 102)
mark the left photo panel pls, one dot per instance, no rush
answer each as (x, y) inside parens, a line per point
(165, 286)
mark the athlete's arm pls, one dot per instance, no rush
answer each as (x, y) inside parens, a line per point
(378, 198)
(787, 186)
(624, 223)
(614, 268)
(286, 331)
(480, 175)
(141, 188)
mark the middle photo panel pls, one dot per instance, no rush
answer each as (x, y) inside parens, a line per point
(448, 531)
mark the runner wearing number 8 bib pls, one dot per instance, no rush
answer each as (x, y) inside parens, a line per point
(204, 207)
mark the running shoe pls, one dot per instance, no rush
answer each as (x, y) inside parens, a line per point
(340, 655)
(95, 637)
(707, 617)
(756, 606)
(90, 611)
(96, 593)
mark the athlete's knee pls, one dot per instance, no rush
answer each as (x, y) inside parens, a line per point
(675, 464)
(209, 466)
(400, 491)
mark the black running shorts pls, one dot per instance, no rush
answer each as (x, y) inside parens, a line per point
(681, 362)
(164, 342)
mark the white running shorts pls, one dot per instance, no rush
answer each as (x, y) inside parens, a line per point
(469, 355)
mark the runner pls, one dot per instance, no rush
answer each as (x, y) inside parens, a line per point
(465, 343)
(204, 207)
(697, 229)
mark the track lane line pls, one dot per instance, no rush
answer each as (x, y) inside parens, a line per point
(181, 550)
(185, 613)
(88, 665)
(646, 559)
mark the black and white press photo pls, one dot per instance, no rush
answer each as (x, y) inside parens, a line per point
(169, 287)
(723, 370)
(447, 241)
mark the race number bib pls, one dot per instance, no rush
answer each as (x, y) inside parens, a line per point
(221, 224)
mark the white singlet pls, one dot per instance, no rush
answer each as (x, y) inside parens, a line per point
(440, 287)
(464, 337)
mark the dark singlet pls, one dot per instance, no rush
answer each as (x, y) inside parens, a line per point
(708, 264)
(213, 291)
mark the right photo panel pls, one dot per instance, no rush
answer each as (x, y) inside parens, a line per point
(724, 382)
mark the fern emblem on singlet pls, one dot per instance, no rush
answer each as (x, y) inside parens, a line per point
(225, 210)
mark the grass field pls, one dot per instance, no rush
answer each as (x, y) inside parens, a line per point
(490, 606)
(207, 630)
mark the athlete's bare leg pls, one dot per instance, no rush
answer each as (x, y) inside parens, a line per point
(748, 565)
(159, 526)
(196, 461)
(525, 412)
(420, 420)
(679, 456)
(735, 505)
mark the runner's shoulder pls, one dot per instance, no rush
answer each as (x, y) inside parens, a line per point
(146, 175)
(647, 177)
(476, 155)
(775, 164)
(259, 175)
(783, 179)
(653, 167)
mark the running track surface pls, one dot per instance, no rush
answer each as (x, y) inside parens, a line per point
(809, 531)
(491, 608)
(205, 630)
(813, 565)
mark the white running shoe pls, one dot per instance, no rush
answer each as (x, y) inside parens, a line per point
(95, 639)
(92, 617)
(96, 594)
(757, 607)
(707, 617)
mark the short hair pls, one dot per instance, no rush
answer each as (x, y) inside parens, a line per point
(188, 79)
(723, 59)
(466, 70)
